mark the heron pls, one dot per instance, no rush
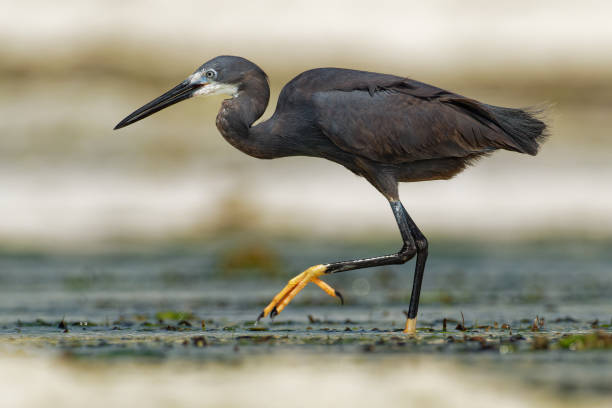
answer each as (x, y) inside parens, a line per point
(385, 128)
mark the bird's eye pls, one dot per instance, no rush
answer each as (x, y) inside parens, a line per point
(211, 73)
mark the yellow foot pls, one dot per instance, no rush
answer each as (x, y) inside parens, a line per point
(295, 285)
(410, 326)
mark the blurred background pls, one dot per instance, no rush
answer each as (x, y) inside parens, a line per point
(69, 71)
(161, 242)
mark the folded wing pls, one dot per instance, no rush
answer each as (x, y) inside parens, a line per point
(403, 120)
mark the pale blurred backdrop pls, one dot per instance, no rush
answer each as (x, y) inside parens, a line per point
(70, 70)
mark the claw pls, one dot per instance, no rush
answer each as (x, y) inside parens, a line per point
(295, 285)
(259, 317)
(339, 296)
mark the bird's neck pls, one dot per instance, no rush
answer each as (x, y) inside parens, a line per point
(238, 114)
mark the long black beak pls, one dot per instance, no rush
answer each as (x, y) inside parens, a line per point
(182, 91)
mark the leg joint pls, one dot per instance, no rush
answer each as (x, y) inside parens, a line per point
(406, 253)
(421, 244)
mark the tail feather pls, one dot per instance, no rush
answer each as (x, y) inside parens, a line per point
(524, 126)
(522, 130)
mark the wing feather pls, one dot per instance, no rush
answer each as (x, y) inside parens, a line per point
(391, 119)
(406, 122)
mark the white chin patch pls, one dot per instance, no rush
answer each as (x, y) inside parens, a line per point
(216, 88)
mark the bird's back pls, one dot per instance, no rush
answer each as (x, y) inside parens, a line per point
(334, 79)
(392, 120)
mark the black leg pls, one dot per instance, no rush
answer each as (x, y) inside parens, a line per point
(422, 250)
(407, 252)
(414, 244)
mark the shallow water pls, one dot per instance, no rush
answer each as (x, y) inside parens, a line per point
(151, 306)
(234, 279)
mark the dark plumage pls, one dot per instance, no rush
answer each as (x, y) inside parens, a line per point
(385, 128)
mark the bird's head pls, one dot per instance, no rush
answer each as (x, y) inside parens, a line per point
(223, 75)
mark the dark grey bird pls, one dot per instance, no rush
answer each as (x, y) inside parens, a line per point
(385, 128)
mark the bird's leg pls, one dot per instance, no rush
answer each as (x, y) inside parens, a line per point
(414, 242)
(422, 251)
(412, 245)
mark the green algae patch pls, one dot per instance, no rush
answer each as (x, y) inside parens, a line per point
(590, 341)
(174, 315)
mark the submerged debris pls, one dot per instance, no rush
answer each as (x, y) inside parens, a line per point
(257, 328)
(313, 320)
(199, 341)
(540, 343)
(461, 326)
(147, 338)
(41, 322)
(537, 324)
